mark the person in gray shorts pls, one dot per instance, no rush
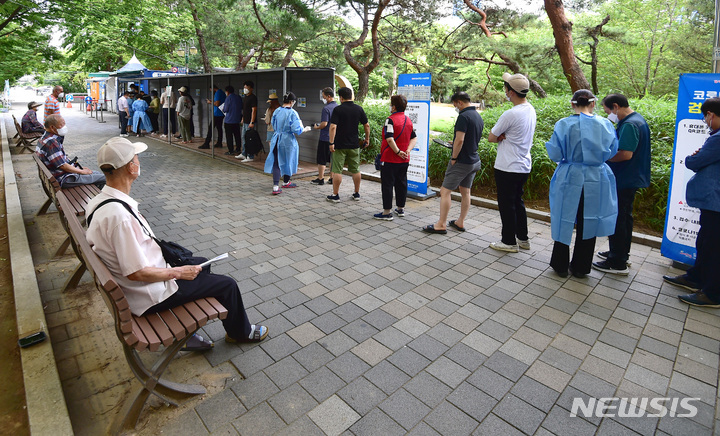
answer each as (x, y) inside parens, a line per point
(463, 165)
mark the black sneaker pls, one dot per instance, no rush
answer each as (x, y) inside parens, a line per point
(682, 281)
(334, 198)
(204, 146)
(229, 153)
(604, 255)
(698, 299)
(356, 196)
(330, 180)
(317, 182)
(605, 266)
(218, 145)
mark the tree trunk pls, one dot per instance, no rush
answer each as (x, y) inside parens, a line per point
(201, 39)
(244, 59)
(562, 30)
(288, 56)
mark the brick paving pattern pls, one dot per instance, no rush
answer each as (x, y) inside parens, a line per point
(376, 328)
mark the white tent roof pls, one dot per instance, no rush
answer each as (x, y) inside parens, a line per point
(132, 65)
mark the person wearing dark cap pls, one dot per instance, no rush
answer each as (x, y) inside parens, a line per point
(123, 240)
(30, 123)
(513, 134)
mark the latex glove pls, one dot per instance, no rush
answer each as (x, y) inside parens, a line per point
(307, 129)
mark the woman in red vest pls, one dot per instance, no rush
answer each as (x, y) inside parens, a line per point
(398, 139)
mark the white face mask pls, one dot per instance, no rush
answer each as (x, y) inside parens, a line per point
(63, 131)
(138, 169)
(457, 110)
(613, 117)
(246, 91)
(324, 100)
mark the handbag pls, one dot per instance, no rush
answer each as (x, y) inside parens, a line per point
(378, 161)
(174, 253)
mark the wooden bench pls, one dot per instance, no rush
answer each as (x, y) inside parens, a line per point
(78, 198)
(169, 329)
(25, 140)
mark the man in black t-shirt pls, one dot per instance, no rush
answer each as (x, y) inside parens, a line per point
(345, 142)
(464, 163)
(250, 103)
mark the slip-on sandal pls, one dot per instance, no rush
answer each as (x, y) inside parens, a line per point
(197, 343)
(456, 227)
(431, 229)
(259, 332)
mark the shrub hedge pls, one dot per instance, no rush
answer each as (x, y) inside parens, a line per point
(650, 203)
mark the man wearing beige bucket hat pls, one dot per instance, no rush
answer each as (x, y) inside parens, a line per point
(123, 239)
(513, 134)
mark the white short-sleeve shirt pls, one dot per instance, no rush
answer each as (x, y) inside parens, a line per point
(121, 243)
(518, 125)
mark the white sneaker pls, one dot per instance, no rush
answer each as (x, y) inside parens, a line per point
(247, 159)
(499, 246)
(162, 136)
(240, 156)
(124, 135)
(525, 245)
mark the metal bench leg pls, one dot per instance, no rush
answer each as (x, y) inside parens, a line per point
(74, 279)
(63, 247)
(152, 383)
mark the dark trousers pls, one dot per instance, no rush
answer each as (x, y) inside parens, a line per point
(582, 253)
(232, 133)
(169, 118)
(218, 122)
(223, 288)
(511, 205)
(123, 122)
(706, 270)
(620, 241)
(154, 120)
(192, 123)
(393, 176)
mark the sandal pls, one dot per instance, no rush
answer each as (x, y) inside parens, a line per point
(431, 229)
(456, 227)
(197, 343)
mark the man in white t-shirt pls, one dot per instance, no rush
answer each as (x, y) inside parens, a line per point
(513, 133)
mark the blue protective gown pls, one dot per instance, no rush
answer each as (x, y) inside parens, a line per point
(139, 107)
(581, 144)
(286, 123)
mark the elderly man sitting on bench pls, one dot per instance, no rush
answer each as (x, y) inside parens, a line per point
(122, 238)
(52, 153)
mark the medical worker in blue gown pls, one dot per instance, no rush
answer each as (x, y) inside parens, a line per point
(582, 190)
(283, 156)
(140, 120)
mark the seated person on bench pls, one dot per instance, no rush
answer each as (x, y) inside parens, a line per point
(124, 242)
(30, 123)
(51, 152)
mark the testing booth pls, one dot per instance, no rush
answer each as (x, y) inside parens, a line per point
(305, 83)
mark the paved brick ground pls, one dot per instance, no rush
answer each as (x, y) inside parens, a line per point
(375, 327)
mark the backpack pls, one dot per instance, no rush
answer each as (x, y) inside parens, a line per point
(253, 142)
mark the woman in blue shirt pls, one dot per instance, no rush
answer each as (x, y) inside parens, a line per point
(582, 190)
(284, 150)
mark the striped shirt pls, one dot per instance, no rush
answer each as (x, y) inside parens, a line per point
(52, 154)
(52, 106)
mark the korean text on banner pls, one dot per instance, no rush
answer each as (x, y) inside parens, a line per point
(682, 221)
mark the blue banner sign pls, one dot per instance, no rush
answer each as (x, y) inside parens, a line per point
(682, 222)
(416, 88)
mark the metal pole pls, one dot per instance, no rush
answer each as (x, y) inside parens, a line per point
(716, 49)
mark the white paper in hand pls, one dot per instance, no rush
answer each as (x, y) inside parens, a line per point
(214, 259)
(307, 129)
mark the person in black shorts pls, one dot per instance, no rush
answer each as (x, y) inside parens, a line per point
(323, 148)
(463, 165)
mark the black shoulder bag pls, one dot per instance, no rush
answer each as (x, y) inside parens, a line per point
(378, 161)
(174, 254)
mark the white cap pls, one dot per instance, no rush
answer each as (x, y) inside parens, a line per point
(118, 151)
(182, 89)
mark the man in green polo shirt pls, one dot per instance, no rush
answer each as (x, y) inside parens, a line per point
(631, 166)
